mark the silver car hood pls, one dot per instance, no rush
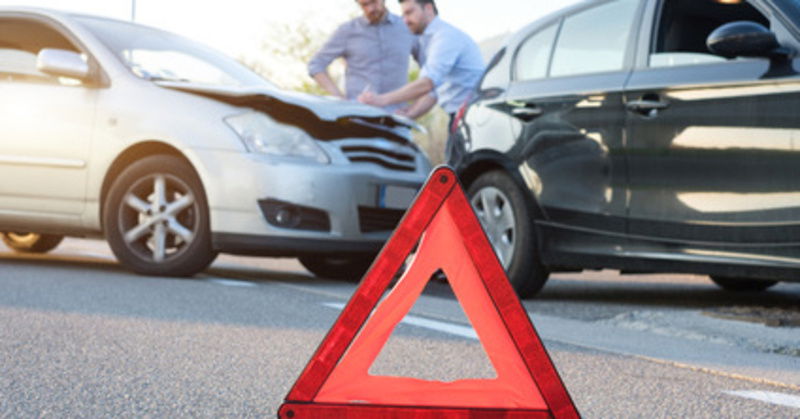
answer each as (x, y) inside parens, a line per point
(325, 108)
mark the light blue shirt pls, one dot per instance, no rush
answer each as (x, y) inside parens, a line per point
(377, 55)
(451, 60)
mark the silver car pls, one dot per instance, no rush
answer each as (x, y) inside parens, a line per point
(175, 152)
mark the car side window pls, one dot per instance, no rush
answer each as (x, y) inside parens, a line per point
(533, 55)
(20, 43)
(594, 40)
(683, 26)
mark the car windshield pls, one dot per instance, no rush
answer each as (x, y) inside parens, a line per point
(157, 55)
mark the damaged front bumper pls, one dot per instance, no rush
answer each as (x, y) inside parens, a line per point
(264, 207)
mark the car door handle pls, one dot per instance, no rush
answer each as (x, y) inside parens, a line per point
(647, 107)
(525, 112)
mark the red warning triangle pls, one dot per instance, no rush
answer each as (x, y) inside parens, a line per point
(337, 384)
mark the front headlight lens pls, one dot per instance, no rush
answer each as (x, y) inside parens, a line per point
(262, 134)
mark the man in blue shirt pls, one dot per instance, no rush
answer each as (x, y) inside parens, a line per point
(376, 48)
(451, 64)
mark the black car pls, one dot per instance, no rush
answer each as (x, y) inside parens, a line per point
(643, 136)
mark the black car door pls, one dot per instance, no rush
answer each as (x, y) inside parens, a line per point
(713, 143)
(569, 115)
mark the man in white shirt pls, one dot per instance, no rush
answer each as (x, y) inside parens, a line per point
(451, 64)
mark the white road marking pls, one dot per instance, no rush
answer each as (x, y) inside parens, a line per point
(231, 283)
(439, 326)
(769, 397)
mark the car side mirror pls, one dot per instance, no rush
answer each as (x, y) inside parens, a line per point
(62, 63)
(743, 39)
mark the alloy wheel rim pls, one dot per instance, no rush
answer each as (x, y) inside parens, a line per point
(159, 217)
(496, 215)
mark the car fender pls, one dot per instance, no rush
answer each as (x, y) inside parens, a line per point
(115, 164)
(481, 161)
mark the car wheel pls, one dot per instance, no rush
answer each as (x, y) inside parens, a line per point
(156, 218)
(502, 210)
(31, 242)
(742, 284)
(350, 268)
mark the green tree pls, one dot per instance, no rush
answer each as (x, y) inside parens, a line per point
(284, 53)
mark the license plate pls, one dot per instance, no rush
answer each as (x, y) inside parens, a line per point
(395, 197)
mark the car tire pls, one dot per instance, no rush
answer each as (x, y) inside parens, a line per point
(742, 284)
(341, 268)
(508, 222)
(31, 242)
(156, 218)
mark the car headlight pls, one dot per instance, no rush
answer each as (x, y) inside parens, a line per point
(262, 134)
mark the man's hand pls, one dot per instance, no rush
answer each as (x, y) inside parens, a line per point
(371, 99)
(402, 111)
(411, 91)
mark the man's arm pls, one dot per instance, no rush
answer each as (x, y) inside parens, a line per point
(324, 80)
(410, 91)
(318, 66)
(442, 56)
(420, 107)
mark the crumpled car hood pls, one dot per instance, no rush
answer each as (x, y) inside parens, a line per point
(277, 102)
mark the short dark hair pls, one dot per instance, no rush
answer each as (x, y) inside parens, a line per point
(423, 3)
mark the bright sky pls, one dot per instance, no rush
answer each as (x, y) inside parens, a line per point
(236, 27)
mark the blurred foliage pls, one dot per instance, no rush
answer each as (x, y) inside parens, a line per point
(433, 142)
(284, 53)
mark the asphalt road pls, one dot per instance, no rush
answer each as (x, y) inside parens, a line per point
(81, 337)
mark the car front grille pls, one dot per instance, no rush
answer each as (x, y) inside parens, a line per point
(372, 219)
(380, 152)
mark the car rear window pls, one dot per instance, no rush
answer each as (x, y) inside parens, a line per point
(533, 55)
(581, 49)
